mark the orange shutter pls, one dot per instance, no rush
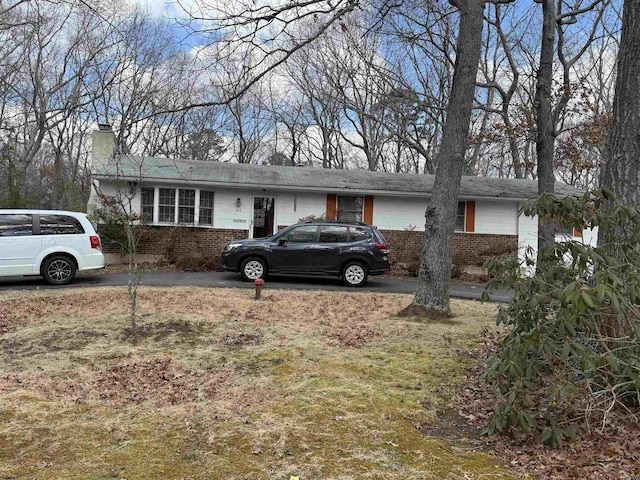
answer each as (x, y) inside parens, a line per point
(368, 210)
(577, 232)
(331, 206)
(470, 220)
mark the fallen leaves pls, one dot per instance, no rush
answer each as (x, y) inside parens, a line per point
(159, 381)
(615, 454)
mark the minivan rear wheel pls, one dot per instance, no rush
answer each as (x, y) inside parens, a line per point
(58, 270)
(354, 274)
(253, 268)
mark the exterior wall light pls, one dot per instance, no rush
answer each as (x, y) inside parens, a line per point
(238, 202)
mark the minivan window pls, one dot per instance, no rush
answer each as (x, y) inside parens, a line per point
(59, 225)
(13, 225)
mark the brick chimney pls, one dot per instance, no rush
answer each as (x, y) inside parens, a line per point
(103, 144)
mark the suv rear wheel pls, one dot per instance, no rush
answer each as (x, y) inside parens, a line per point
(354, 274)
(253, 268)
(58, 270)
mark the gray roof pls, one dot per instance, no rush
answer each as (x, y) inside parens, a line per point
(243, 176)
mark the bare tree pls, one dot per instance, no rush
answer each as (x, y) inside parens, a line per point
(421, 40)
(144, 75)
(117, 213)
(49, 55)
(307, 73)
(504, 121)
(292, 120)
(557, 19)
(358, 76)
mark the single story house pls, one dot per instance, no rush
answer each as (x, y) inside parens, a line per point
(204, 205)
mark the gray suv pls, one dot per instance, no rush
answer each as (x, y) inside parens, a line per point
(351, 251)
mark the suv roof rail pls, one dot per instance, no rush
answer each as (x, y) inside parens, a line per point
(345, 222)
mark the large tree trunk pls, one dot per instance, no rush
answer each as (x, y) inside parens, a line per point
(622, 156)
(435, 264)
(545, 126)
(621, 170)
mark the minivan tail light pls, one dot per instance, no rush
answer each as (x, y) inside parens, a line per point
(383, 247)
(95, 242)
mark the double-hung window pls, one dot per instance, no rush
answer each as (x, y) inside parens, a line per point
(205, 216)
(186, 206)
(460, 217)
(167, 205)
(350, 209)
(148, 196)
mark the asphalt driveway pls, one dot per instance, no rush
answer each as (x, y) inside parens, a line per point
(232, 280)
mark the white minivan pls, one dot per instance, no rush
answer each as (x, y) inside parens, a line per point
(52, 243)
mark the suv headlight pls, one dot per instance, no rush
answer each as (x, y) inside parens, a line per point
(231, 246)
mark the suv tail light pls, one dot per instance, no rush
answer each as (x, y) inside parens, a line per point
(383, 247)
(95, 242)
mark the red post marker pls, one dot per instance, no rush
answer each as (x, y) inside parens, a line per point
(258, 283)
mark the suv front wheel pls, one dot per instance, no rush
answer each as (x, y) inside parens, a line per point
(354, 274)
(253, 268)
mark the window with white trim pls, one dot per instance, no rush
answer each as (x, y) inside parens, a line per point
(177, 206)
(186, 206)
(148, 197)
(167, 205)
(205, 216)
(350, 208)
(460, 217)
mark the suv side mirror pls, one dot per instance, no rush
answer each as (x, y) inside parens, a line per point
(282, 242)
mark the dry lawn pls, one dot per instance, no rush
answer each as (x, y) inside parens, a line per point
(213, 384)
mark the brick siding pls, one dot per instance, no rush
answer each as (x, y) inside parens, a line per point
(406, 246)
(169, 241)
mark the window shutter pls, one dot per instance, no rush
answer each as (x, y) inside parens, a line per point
(470, 218)
(331, 206)
(368, 210)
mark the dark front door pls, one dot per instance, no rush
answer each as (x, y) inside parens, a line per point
(264, 209)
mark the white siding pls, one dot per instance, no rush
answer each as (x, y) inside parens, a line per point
(108, 189)
(499, 218)
(527, 235)
(393, 213)
(590, 237)
(226, 214)
(291, 207)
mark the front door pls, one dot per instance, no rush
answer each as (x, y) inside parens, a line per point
(264, 209)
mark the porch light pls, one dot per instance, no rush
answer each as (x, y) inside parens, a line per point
(238, 202)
